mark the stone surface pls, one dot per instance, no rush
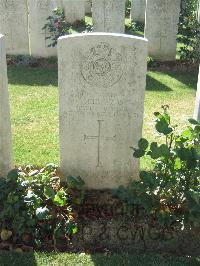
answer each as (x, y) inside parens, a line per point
(102, 80)
(5, 128)
(197, 103)
(88, 6)
(39, 10)
(14, 25)
(108, 15)
(162, 17)
(138, 8)
(74, 10)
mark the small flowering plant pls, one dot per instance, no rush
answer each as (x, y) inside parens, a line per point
(56, 26)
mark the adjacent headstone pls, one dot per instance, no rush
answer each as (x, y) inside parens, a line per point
(74, 10)
(138, 8)
(88, 6)
(102, 81)
(14, 25)
(197, 104)
(108, 15)
(5, 128)
(39, 11)
(162, 17)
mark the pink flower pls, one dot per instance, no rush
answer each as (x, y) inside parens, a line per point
(57, 24)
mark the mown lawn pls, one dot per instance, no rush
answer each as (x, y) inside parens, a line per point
(63, 259)
(34, 109)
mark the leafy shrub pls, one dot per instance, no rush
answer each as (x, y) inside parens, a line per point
(152, 62)
(134, 27)
(128, 7)
(189, 31)
(35, 208)
(170, 194)
(56, 26)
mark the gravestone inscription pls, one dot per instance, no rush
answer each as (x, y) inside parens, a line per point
(161, 27)
(101, 87)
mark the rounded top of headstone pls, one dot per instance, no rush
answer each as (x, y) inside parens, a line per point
(102, 34)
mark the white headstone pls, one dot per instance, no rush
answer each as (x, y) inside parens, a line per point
(39, 11)
(102, 81)
(108, 15)
(14, 25)
(162, 17)
(138, 8)
(5, 128)
(197, 103)
(74, 10)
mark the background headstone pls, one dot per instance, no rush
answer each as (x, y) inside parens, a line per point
(5, 128)
(162, 17)
(197, 104)
(88, 6)
(102, 81)
(108, 15)
(14, 25)
(74, 10)
(39, 10)
(138, 8)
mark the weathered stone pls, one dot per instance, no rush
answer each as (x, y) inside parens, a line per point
(138, 8)
(39, 11)
(162, 17)
(102, 81)
(14, 25)
(108, 15)
(197, 103)
(5, 128)
(88, 6)
(74, 10)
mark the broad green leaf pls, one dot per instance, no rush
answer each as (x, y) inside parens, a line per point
(193, 121)
(138, 153)
(143, 144)
(49, 192)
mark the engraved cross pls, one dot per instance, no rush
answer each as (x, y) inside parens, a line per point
(161, 35)
(99, 138)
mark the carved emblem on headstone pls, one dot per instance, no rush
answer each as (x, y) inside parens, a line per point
(102, 66)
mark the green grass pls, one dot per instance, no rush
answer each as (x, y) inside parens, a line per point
(34, 109)
(53, 259)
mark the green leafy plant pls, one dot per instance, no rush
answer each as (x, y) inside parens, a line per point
(56, 26)
(128, 7)
(189, 31)
(36, 208)
(170, 193)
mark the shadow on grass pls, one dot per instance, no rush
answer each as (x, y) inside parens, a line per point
(155, 85)
(8, 258)
(187, 78)
(30, 76)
